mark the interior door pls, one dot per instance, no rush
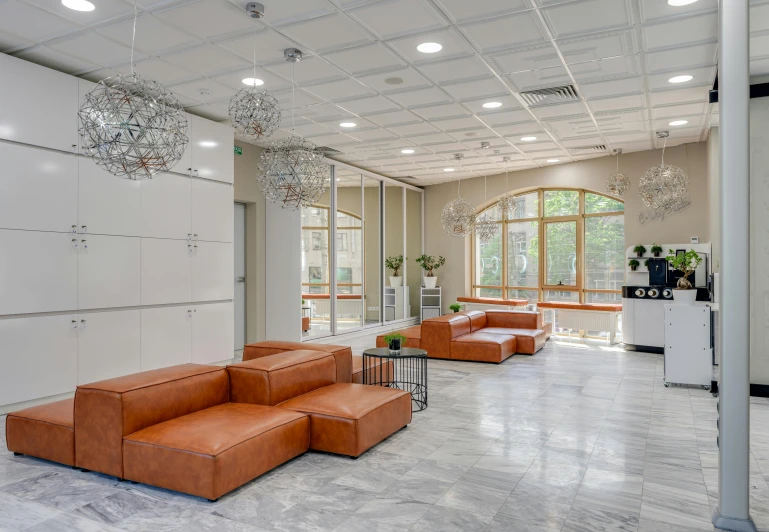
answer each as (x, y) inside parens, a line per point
(240, 279)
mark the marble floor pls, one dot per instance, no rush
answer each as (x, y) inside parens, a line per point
(582, 437)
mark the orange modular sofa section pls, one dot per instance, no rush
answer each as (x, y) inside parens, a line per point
(413, 337)
(342, 353)
(45, 431)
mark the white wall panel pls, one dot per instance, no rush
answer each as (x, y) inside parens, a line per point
(108, 205)
(109, 345)
(38, 357)
(166, 337)
(165, 271)
(166, 207)
(38, 272)
(283, 268)
(213, 270)
(212, 333)
(212, 210)
(108, 271)
(212, 150)
(38, 188)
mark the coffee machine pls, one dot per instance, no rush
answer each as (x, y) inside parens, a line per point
(658, 272)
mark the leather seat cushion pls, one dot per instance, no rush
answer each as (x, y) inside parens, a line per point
(351, 418)
(357, 370)
(413, 335)
(45, 431)
(528, 341)
(213, 451)
(342, 353)
(483, 347)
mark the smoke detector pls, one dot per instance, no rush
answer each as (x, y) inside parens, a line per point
(255, 9)
(292, 55)
(663, 134)
(485, 145)
(459, 156)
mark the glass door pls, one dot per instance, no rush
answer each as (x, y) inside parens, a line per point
(350, 251)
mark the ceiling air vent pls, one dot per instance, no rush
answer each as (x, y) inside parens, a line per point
(581, 150)
(550, 95)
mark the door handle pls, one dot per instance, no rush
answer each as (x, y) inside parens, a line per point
(240, 279)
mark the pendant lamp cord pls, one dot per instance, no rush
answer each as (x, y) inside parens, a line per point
(293, 99)
(664, 145)
(254, 80)
(618, 162)
(133, 38)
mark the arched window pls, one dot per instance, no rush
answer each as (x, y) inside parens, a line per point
(557, 245)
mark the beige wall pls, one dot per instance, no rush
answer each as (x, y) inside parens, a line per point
(591, 174)
(714, 173)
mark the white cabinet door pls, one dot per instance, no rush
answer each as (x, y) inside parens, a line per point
(38, 357)
(212, 333)
(212, 271)
(212, 150)
(108, 271)
(166, 207)
(108, 205)
(38, 105)
(109, 345)
(38, 188)
(165, 271)
(184, 166)
(166, 337)
(38, 272)
(212, 210)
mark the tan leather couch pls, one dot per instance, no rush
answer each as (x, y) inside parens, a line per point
(413, 337)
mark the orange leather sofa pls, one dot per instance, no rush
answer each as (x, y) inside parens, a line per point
(413, 337)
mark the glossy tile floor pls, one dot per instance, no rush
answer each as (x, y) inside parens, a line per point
(580, 437)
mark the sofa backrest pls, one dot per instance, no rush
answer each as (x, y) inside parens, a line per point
(105, 411)
(342, 353)
(273, 379)
(514, 319)
(438, 332)
(477, 319)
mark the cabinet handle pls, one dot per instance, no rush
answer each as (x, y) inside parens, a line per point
(74, 324)
(84, 229)
(85, 245)
(74, 229)
(82, 324)
(74, 243)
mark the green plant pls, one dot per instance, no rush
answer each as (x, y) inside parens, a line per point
(685, 263)
(395, 336)
(646, 263)
(455, 307)
(656, 249)
(430, 263)
(640, 249)
(395, 264)
(302, 301)
(633, 264)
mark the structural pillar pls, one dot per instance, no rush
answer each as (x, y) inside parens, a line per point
(734, 401)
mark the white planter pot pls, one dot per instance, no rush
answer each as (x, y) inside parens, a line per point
(685, 297)
(396, 281)
(431, 282)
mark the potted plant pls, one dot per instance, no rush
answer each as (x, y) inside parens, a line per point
(456, 307)
(395, 264)
(395, 341)
(633, 264)
(686, 263)
(429, 264)
(639, 250)
(656, 249)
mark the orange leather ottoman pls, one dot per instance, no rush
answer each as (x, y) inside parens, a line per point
(305, 323)
(45, 431)
(351, 418)
(213, 451)
(342, 353)
(413, 337)
(357, 369)
(527, 341)
(483, 347)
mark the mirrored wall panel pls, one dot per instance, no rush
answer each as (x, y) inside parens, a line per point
(413, 274)
(396, 292)
(372, 231)
(349, 251)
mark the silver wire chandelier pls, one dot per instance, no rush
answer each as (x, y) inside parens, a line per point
(291, 171)
(254, 113)
(663, 186)
(506, 201)
(617, 183)
(486, 228)
(131, 126)
(458, 216)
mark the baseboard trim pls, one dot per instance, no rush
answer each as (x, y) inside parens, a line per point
(733, 524)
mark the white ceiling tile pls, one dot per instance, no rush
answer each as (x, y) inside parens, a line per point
(529, 147)
(343, 89)
(454, 45)
(209, 18)
(472, 90)
(308, 130)
(521, 130)
(457, 124)
(506, 32)
(32, 24)
(152, 35)
(449, 110)
(606, 68)
(692, 94)
(92, 47)
(455, 69)
(309, 70)
(476, 106)
(12, 42)
(325, 112)
(327, 33)
(504, 117)
(531, 58)
(106, 10)
(612, 88)
(269, 46)
(160, 71)
(477, 134)
(545, 77)
(685, 57)
(372, 135)
(678, 32)
(271, 81)
(464, 11)
(294, 99)
(598, 46)
(48, 57)
(694, 122)
(393, 117)
(632, 101)
(417, 97)
(211, 112)
(333, 139)
(560, 110)
(701, 76)
(280, 13)
(411, 130)
(196, 90)
(392, 18)
(367, 58)
(674, 111)
(587, 16)
(364, 106)
(206, 59)
(360, 124)
(630, 147)
(653, 10)
(395, 80)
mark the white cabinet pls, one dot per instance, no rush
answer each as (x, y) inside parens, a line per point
(184, 166)
(165, 271)
(688, 355)
(212, 210)
(38, 272)
(212, 150)
(166, 337)
(108, 205)
(109, 345)
(108, 271)
(166, 207)
(212, 271)
(212, 333)
(38, 188)
(38, 105)
(38, 357)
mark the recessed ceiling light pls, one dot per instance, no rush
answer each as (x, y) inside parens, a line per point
(528, 139)
(680, 79)
(553, 160)
(394, 81)
(208, 143)
(492, 105)
(407, 151)
(448, 169)
(348, 124)
(679, 122)
(252, 82)
(78, 5)
(429, 47)
(677, 3)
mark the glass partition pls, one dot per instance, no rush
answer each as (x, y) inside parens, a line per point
(396, 294)
(316, 281)
(373, 266)
(349, 251)
(413, 273)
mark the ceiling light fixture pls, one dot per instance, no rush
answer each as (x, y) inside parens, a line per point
(663, 186)
(528, 139)
(681, 79)
(429, 47)
(252, 82)
(78, 5)
(394, 81)
(348, 124)
(407, 151)
(208, 144)
(679, 122)
(448, 169)
(492, 105)
(617, 183)
(486, 228)
(678, 3)
(458, 215)
(553, 160)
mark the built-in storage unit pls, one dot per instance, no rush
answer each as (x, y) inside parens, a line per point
(394, 299)
(103, 276)
(688, 350)
(431, 302)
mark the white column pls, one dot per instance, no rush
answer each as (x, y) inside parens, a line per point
(283, 272)
(734, 401)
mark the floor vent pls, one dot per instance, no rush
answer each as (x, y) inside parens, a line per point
(579, 150)
(551, 95)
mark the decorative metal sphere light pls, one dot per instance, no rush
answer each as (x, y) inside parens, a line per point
(506, 201)
(485, 227)
(663, 186)
(458, 216)
(617, 183)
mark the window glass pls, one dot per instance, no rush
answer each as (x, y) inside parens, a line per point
(493, 212)
(488, 268)
(529, 295)
(602, 297)
(526, 206)
(561, 203)
(595, 203)
(604, 252)
(523, 254)
(489, 292)
(562, 295)
(561, 251)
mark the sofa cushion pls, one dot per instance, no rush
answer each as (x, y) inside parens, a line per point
(483, 347)
(277, 378)
(342, 353)
(438, 332)
(374, 367)
(46, 431)
(413, 337)
(213, 451)
(514, 319)
(527, 341)
(351, 418)
(477, 319)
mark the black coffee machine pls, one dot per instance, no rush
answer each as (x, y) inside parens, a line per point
(658, 272)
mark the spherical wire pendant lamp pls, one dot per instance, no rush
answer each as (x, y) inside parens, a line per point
(506, 201)
(291, 171)
(617, 183)
(131, 126)
(663, 186)
(485, 227)
(458, 216)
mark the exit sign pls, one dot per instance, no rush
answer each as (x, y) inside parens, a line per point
(238, 150)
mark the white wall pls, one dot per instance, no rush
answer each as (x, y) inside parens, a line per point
(102, 276)
(283, 258)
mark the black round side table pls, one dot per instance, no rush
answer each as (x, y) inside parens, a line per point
(405, 370)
